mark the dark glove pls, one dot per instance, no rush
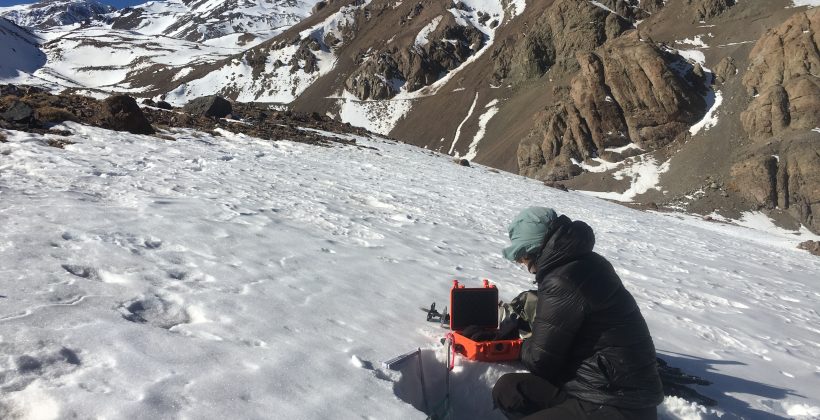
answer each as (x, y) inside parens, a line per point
(476, 333)
(508, 330)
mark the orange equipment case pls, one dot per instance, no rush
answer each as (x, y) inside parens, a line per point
(479, 306)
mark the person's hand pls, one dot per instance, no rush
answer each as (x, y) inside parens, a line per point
(476, 333)
(508, 330)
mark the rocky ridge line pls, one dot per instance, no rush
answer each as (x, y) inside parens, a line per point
(26, 108)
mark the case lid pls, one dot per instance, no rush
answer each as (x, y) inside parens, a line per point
(473, 306)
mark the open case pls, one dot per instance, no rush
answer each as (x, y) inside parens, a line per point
(479, 306)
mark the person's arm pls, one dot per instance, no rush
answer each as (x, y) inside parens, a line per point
(558, 317)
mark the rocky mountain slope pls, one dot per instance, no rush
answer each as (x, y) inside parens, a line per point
(55, 13)
(691, 105)
(231, 23)
(241, 21)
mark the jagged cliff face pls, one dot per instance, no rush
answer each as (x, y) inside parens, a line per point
(781, 168)
(628, 91)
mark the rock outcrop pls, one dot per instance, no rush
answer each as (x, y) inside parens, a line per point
(706, 9)
(794, 105)
(381, 74)
(261, 121)
(783, 78)
(782, 168)
(19, 112)
(725, 70)
(812, 246)
(626, 91)
(783, 174)
(210, 106)
(567, 28)
(122, 113)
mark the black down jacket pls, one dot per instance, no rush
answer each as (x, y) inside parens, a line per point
(589, 336)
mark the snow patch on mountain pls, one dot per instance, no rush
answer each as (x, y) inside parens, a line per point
(376, 116)
(421, 38)
(643, 172)
(516, 7)
(714, 99)
(483, 120)
(810, 3)
(278, 81)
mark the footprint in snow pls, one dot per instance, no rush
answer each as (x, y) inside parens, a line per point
(364, 364)
(47, 362)
(82, 271)
(154, 310)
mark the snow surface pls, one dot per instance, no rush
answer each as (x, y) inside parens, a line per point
(103, 58)
(230, 277)
(810, 3)
(220, 22)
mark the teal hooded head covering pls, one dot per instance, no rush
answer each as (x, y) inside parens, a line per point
(527, 231)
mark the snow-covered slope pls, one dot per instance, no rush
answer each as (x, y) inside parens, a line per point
(204, 20)
(20, 54)
(280, 70)
(118, 60)
(56, 13)
(221, 276)
(278, 73)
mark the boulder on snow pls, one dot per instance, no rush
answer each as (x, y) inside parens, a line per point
(149, 102)
(19, 112)
(812, 246)
(164, 105)
(121, 113)
(213, 106)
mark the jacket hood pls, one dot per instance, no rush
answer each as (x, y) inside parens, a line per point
(565, 241)
(527, 231)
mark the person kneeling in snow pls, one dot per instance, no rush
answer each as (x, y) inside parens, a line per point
(590, 353)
